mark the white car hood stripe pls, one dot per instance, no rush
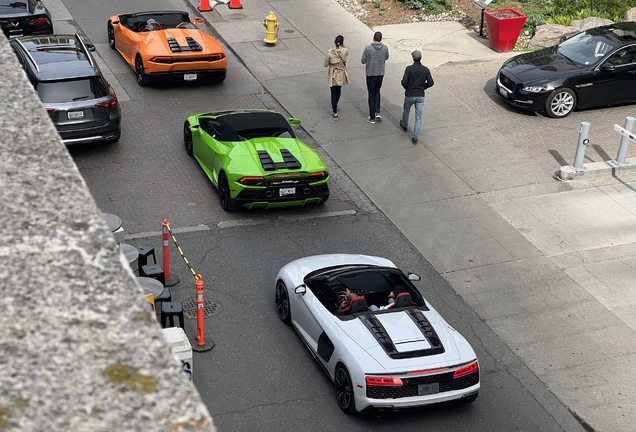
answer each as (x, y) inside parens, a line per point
(403, 332)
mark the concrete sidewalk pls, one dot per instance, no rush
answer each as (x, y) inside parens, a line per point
(548, 266)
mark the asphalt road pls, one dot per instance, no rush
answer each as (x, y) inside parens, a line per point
(260, 375)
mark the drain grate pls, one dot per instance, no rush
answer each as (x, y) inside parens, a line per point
(210, 308)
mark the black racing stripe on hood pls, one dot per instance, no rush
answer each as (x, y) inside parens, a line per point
(379, 332)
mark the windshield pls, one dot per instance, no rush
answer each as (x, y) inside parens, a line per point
(586, 48)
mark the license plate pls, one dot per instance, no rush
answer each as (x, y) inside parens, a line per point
(190, 77)
(286, 191)
(75, 115)
(503, 92)
(427, 389)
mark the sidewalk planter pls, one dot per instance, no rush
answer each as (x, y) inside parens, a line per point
(504, 27)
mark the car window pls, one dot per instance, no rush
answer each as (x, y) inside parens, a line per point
(9, 7)
(586, 48)
(623, 56)
(74, 90)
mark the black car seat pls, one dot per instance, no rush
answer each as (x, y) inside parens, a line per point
(402, 300)
(358, 304)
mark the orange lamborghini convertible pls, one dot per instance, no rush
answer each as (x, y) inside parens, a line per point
(166, 45)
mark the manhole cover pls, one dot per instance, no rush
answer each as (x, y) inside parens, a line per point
(210, 308)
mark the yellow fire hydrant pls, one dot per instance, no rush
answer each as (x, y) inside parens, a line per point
(270, 23)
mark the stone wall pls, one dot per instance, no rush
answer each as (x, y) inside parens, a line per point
(80, 350)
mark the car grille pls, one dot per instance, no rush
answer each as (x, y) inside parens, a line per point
(193, 45)
(173, 44)
(409, 389)
(507, 82)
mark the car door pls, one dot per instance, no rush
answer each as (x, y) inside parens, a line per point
(308, 314)
(622, 87)
(205, 145)
(124, 41)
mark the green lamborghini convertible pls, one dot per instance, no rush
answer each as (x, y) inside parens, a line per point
(255, 160)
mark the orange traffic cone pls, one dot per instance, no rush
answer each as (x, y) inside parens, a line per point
(235, 4)
(205, 6)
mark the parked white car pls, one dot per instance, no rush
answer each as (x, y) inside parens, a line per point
(399, 355)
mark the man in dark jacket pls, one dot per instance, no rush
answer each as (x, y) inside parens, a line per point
(417, 78)
(374, 56)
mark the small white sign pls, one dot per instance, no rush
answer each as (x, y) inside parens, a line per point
(629, 135)
(482, 3)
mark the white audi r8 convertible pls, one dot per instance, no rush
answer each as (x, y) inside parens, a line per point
(380, 355)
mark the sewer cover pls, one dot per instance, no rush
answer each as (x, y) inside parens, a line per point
(210, 308)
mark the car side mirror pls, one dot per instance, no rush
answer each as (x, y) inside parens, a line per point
(293, 121)
(605, 67)
(90, 47)
(194, 126)
(301, 289)
(563, 38)
(199, 20)
(414, 277)
(115, 23)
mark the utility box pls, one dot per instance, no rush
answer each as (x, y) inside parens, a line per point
(180, 347)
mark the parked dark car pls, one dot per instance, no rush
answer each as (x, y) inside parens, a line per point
(22, 18)
(593, 68)
(79, 100)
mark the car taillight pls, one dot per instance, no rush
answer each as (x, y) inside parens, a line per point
(214, 57)
(41, 20)
(109, 104)
(384, 381)
(318, 176)
(252, 181)
(161, 59)
(50, 109)
(466, 370)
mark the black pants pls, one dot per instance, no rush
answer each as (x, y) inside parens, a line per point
(335, 97)
(373, 86)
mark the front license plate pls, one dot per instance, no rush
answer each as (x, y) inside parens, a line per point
(503, 92)
(75, 115)
(286, 191)
(190, 77)
(427, 389)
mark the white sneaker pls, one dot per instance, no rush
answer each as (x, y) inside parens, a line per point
(378, 117)
(370, 120)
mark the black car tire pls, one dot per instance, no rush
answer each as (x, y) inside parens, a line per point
(324, 200)
(142, 79)
(117, 136)
(560, 103)
(227, 203)
(344, 390)
(283, 308)
(187, 139)
(111, 36)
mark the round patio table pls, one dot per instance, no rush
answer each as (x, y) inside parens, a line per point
(150, 286)
(130, 252)
(113, 221)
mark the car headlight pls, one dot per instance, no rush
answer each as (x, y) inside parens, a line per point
(537, 89)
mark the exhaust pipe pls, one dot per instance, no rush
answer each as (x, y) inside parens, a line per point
(306, 190)
(269, 194)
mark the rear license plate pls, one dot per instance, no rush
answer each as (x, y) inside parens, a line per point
(427, 389)
(503, 92)
(75, 115)
(190, 77)
(286, 191)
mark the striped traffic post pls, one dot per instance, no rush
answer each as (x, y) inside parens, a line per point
(171, 280)
(202, 344)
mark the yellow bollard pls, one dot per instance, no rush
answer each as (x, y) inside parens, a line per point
(270, 23)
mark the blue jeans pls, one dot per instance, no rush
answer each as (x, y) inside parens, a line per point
(419, 106)
(373, 86)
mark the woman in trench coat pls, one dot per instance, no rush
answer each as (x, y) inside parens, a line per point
(338, 76)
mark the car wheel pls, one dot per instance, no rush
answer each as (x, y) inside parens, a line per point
(111, 36)
(560, 103)
(187, 138)
(344, 390)
(224, 193)
(142, 79)
(117, 137)
(282, 302)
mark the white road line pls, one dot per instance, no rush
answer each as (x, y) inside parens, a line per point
(174, 231)
(319, 215)
(246, 222)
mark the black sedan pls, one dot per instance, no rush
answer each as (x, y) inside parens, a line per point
(22, 18)
(593, 68)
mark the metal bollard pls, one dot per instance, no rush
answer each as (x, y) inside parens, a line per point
(622, 149)
(580, 147)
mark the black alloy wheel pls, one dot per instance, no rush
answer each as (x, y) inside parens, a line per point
(282, 302)
(111, 36)
(560, 103)
(344, 390)
(224, 193)
(142, 80)
(187, 138)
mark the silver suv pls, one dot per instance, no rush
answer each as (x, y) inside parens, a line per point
(79, 100)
